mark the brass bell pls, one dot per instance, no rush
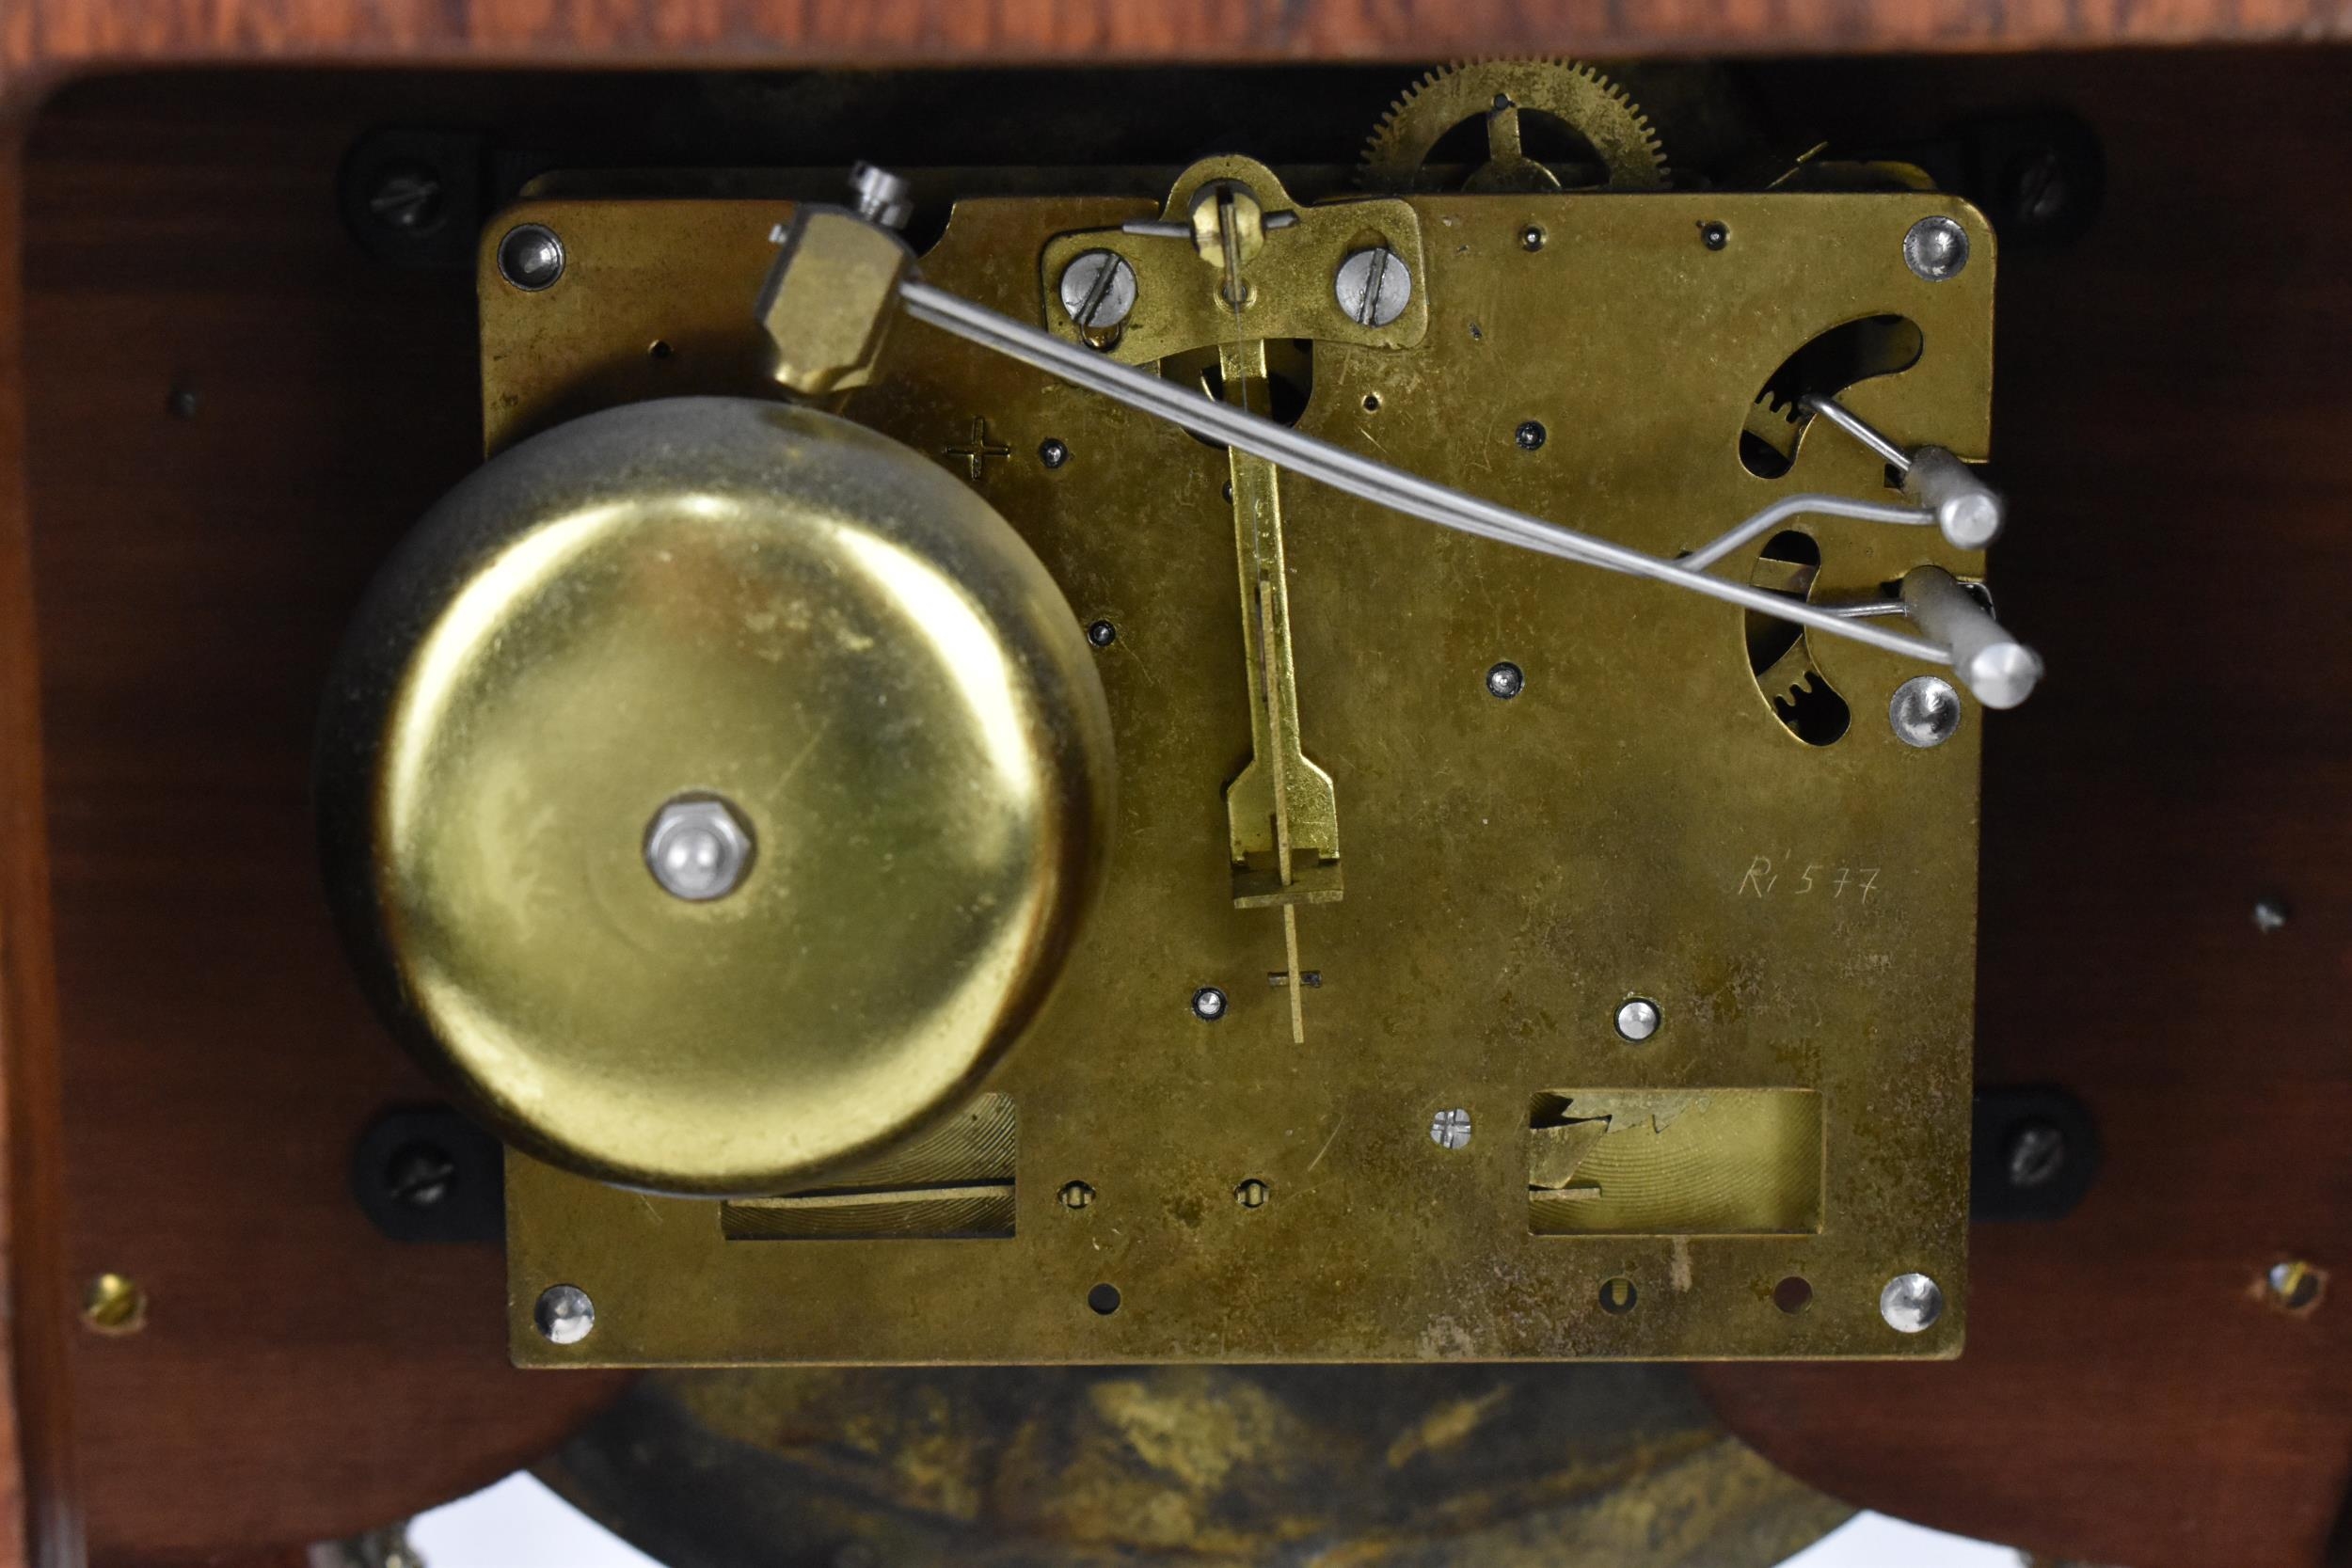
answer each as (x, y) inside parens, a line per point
(710, 791)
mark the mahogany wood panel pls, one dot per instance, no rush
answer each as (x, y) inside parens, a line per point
(299, 1377)
(39, 1520)
(2171, 397)
(44, 40)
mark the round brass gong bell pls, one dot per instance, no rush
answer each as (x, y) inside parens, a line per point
(711, 791)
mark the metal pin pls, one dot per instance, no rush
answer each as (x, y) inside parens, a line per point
(2000, 669)
(880, 197)
(1853, 425)
(1966, 509)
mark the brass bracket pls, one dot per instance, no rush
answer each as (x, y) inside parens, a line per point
(1293, 266)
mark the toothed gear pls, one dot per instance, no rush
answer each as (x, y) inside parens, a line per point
(1396, 157)
(1773, 420)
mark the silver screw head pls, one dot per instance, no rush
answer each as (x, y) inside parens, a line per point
(1098, 289)
(1911, 1303)
(1638, 1019)
(2269, 914)
(1451, 1129)
(1925, 711)
(1208, 1003)
(1506, 680)
(531, 256)
(698, 849)
(1374, 286)
(1936, 248)
(564, 1314)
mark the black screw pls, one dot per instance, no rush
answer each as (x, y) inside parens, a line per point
(1714, 235)
(181, 402)
(2037, 188)
(1229, 492)
(1053, 453)
(408, 197)
(2035, 1154)
(419, 1175)
(1530, 436)
(1506, 680)
(1532, 237)
(1101, 634)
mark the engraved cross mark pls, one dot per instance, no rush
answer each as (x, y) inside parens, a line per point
(978, 451)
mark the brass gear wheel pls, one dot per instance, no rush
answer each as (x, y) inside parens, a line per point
(1500, 92)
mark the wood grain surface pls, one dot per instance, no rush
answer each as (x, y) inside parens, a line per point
(45, 41)
(38, 1517)
(2170, 395)
(299, 1377)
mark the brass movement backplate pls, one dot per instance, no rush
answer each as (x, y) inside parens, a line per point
(1632, 821)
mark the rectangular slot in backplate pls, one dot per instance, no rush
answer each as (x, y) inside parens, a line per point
(1675, 1162)
(955, 1182)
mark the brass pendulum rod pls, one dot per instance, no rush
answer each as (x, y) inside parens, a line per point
(1281, 809)
(1282, 818)
(1282, 812)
